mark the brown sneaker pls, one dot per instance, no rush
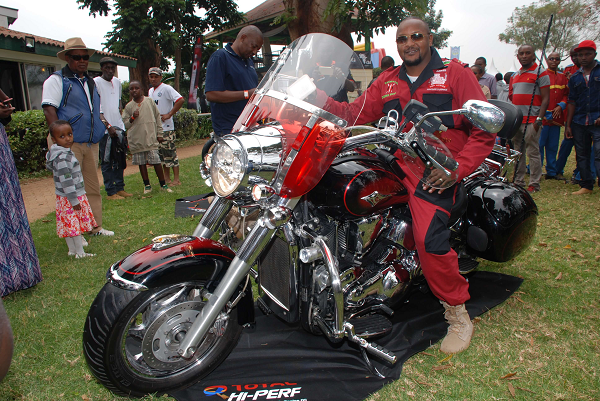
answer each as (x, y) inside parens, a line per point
(114, 197)
(460, 330)
(124, 194)
(582, 191)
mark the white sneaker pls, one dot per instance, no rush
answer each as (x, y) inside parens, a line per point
(104, 232)
(166, 188)
(84, 255)
(147, 189)
(71, 253)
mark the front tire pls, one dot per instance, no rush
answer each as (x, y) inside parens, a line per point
(130, 338)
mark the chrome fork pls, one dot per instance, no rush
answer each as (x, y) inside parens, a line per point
(260, 236)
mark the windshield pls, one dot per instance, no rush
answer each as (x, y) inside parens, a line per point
(313, 70)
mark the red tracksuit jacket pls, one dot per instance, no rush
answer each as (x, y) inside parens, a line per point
(440, 87)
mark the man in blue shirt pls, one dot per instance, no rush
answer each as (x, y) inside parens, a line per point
(583, 114)
(231, 78)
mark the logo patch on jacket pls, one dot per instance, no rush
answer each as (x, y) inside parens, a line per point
(438, 81)
(391, 88)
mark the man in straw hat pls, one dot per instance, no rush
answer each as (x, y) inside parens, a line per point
(71, 95)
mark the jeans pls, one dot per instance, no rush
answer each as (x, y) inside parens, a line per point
(563, 154)
(113, 177)
(549, 142)
(584, 136)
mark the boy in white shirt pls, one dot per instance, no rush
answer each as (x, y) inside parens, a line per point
(169, 101)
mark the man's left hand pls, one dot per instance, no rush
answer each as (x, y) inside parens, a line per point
(112, 132)
(159, 139)
(536, 125)
(439, 179)
(164, 117)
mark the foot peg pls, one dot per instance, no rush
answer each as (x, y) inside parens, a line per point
(371, 348)
(467, 265)
(371, 326)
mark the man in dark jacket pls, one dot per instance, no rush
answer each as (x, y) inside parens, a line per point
(583, 114)
(71, 95)
(424, 77)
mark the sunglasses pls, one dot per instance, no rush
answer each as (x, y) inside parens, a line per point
(554, 58)
(78, 57)
(415, 37)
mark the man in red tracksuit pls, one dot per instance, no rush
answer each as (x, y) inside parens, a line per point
(555, 116)
(424, 77)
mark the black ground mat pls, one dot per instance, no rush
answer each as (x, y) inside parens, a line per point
(192, 205)
(278, 361)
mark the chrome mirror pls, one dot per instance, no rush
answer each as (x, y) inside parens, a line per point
(484, 115)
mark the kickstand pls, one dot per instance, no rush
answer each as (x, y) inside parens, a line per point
(372, 368)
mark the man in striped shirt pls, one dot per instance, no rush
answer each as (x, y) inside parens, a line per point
(530, 93)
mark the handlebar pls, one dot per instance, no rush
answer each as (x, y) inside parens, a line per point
(443, 160)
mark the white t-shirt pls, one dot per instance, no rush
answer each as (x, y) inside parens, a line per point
(165, 97)
(110, 100)
(52, 91)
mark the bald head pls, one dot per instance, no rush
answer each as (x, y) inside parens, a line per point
(248, 42)
(415, 20)
(249, 30)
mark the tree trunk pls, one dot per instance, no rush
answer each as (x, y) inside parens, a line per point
(177, 55)
(144, 63)
(309, 19)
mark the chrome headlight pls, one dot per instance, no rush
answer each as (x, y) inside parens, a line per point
(228, 166)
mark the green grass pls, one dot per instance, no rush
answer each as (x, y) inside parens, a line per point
(541, 344)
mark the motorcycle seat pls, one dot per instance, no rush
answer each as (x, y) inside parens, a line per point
(512, 118)
(460, 205)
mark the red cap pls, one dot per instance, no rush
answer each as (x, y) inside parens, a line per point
(586, 44)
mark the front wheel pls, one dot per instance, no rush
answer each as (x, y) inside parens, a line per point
(130, 338)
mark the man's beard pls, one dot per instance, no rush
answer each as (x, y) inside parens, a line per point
(412, 63)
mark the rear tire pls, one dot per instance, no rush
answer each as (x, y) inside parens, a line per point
(130, 338)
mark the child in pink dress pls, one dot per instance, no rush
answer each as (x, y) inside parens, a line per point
(73, 212)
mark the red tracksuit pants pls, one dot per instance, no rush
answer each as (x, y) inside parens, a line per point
(430, 214)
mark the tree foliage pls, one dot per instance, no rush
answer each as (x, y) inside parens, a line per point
(434, 20)
(365, 17)
(574, 21)
(372, 16)
(154, 30)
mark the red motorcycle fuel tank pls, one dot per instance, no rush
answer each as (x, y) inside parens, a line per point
(358, 186)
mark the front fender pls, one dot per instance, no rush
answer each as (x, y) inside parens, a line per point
(190, 260)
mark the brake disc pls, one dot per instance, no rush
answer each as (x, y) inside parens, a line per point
(165, 334)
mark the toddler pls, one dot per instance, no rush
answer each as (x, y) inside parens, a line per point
(73, 212)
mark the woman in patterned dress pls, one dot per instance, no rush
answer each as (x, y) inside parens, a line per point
(19, 265)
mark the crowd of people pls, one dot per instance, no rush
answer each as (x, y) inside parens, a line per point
(88, 125)
(552, 100)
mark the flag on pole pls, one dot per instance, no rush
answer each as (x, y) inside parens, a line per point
(455, 52)
(195, 78)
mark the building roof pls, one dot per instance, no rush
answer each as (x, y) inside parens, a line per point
(9, 33)
(261, 16)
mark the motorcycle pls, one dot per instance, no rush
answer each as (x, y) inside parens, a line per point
(314, 210)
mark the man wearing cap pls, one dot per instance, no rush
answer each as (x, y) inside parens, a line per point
(231, 78)
(71, 95)
(112, 145)
(583, 114)
(168, 101)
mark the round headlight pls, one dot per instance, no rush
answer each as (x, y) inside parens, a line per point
(227, 168)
